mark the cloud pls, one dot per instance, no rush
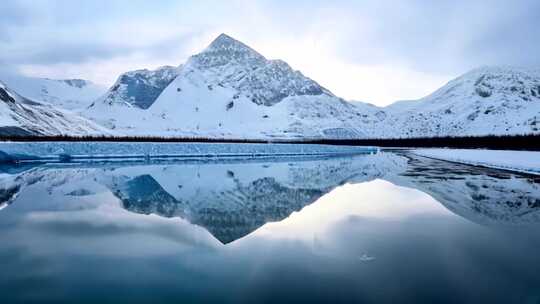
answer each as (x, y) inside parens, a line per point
(443, 37)
(13, 15)
(67, 51)
(69, 32)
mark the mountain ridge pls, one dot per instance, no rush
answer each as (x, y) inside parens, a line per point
(489, 100)
(70, 94)
(229, 90)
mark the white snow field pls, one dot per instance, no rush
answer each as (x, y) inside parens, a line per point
(52, 151)
(521, 161)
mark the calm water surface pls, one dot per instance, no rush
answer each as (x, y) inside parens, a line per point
(370, 229)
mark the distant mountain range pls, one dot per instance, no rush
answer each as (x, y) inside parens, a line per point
(231, 91)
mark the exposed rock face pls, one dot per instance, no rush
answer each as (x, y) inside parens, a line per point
(140, 88)
(228, 62)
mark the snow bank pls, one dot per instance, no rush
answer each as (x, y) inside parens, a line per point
(62, 151)
(521, 161)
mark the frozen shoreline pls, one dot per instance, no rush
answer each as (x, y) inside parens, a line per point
(520, 161)
(65, 151)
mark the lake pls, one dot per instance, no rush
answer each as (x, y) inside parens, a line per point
(372, 228)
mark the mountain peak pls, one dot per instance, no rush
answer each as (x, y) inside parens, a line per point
(224, 38)
(225, 49)
(229, 62)
(224, 41)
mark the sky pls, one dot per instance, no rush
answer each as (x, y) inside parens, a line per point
(372, 51)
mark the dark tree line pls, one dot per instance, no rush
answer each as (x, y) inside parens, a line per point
(508, 142)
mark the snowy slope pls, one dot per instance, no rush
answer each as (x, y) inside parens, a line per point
(488, 100)
(22, 116)
(230, 90)
(70, 94)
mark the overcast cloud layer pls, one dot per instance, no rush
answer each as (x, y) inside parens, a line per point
(376, 51)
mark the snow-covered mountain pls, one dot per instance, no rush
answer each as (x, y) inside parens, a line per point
(227, 62)
(139, 88)
(70, 94)
(230, 90)
(22, 116)
(488, 100)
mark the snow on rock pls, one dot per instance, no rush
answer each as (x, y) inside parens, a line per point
(228, 62)
(522, 161)
(22, 116)
(139, 88)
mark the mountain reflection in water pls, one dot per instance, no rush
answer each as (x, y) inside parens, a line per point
(232, 199)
